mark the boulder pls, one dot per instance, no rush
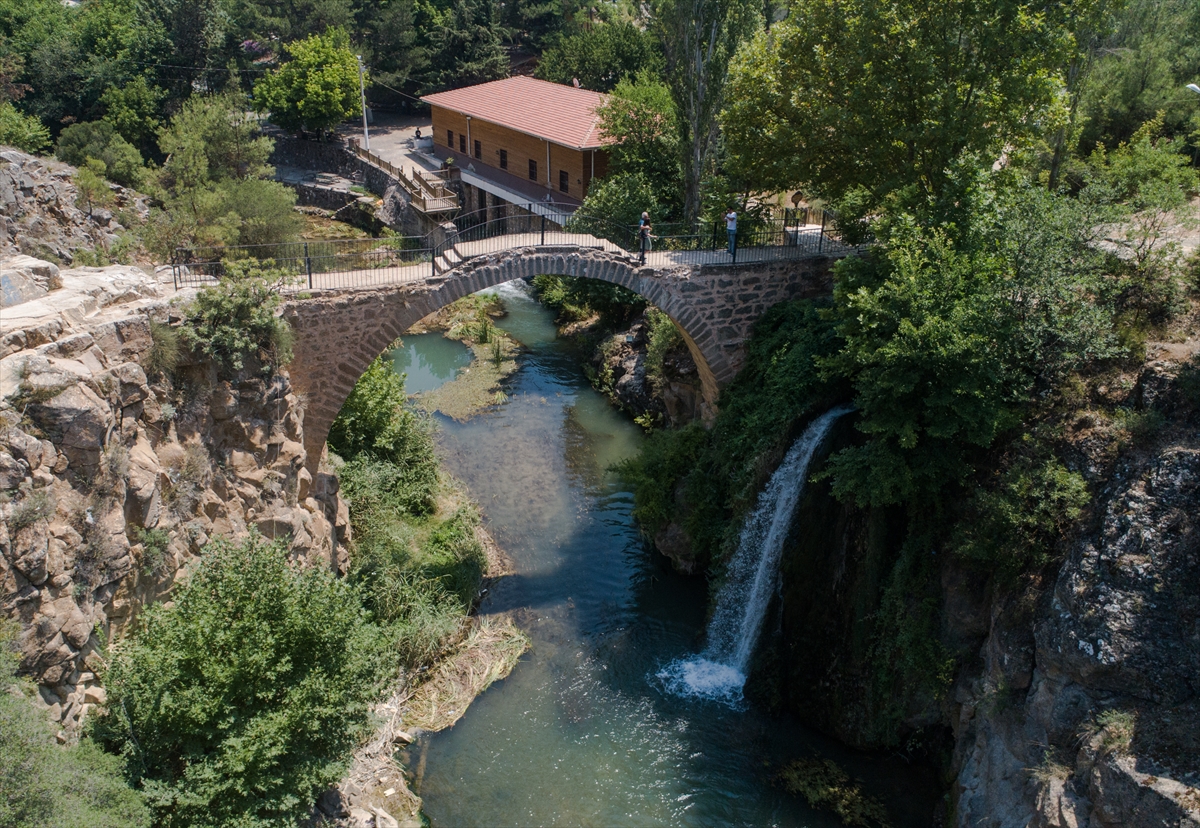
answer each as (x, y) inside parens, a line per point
(24, 278)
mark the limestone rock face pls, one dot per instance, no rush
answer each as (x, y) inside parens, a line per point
(116, 479)
(1103, 733)
(38, 217)
(24, 278)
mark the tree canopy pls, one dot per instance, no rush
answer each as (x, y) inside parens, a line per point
(317, 88)
(239, 701)
(849, 94)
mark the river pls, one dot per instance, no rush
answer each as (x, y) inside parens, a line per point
(583, 732)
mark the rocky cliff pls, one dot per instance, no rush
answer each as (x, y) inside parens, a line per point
(1074, 699)
(669, 394)
(115, 473)
(39, 216)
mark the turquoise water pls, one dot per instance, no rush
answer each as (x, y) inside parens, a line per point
(582, 732)
(429, 361)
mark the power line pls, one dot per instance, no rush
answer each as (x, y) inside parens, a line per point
(192, 68)
(397, 91)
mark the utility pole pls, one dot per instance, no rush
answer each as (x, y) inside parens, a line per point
(362, 91)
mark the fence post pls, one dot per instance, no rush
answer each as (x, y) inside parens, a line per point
(543, 231)
(821, 238)
(308, 265)
(175, 269)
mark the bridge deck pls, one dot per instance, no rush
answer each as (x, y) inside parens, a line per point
(383, 264)
(808, 242)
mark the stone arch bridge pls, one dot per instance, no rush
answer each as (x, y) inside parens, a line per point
(339, 333)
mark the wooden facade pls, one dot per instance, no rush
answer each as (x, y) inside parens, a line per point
(559, 169)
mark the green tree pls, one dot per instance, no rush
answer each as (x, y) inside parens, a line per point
(92, 190)
(699, 39)
(133, 110)
(951, 333)
(241, 700)
(317, 88)
(25, 132)
(212, 180)
(640, 114)
(603, 56)
(533, 23)
(209, 140)
(100, 141)
(42, 783)
(1139, 69)
(859, 94)
(464, 46)
(614, 205)
(391, 44)
(235, 322)
(376, 420)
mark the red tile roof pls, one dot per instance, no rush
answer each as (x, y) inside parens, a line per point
(551, 111)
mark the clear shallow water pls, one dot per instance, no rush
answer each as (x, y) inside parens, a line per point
(429, 361)
(584, 732)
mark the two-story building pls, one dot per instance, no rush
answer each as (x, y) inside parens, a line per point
(521, 139)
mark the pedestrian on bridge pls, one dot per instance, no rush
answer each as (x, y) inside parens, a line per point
(645, 234)
(731, 230)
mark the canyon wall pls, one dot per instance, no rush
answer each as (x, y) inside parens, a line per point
(115, 474)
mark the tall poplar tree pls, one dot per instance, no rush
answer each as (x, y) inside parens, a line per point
(699, 39)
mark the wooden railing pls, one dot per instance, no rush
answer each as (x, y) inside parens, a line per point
(426, 197)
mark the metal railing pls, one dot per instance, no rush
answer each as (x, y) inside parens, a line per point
(312, 265)
(481, 232)
(343, 263)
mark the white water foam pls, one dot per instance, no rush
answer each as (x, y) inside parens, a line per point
(719, 673)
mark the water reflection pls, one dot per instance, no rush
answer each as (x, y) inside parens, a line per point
(429, 361)
(580, 734)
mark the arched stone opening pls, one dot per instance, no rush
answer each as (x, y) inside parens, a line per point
(338, 335)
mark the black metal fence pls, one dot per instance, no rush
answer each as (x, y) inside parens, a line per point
(334, 263)
(347, 263)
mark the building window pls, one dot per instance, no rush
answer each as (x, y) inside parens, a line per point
(504, 159)
(462, 143)
(478, 150)
(563, 180)
(450, 138)
(532, 170)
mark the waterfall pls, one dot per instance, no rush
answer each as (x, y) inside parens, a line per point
(720, 671)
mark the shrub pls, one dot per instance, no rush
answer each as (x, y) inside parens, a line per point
(91, 189)
(36, 505)
(100, 141)
(42, 783)
(376, 421)
(241, 701)
(825, 785)
(24, 132)
(154, 548)
(236, 321)
(576, 299)
(663, 336)
(163, 355)
(666, 457)
(1013, 522)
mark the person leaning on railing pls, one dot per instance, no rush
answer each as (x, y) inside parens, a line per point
(645, 235)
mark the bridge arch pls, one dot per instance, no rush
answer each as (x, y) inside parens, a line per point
(338, 334)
